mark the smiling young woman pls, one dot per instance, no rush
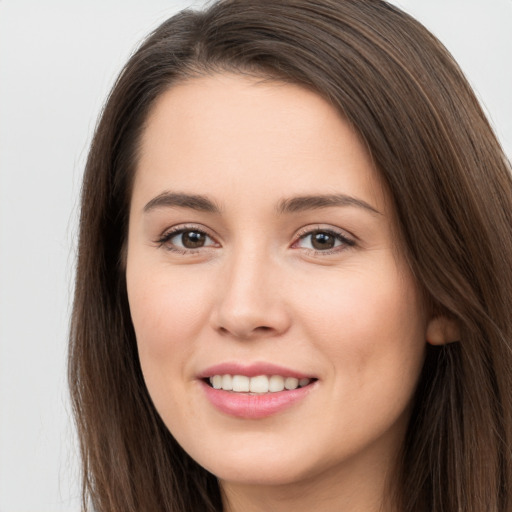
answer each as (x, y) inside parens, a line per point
(269, 285)
(293, 284)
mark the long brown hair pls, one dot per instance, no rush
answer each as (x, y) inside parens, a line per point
(452, 191)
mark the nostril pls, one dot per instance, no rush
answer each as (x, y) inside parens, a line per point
(249, 334)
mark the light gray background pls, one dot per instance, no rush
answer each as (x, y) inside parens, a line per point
(58, 60)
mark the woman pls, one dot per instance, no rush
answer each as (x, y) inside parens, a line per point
(293, 283)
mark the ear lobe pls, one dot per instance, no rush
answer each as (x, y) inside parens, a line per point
(442, 330)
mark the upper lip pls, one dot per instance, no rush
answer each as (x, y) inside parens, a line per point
(251, 370)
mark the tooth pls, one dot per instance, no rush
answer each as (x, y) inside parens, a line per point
(304, 382)
(259, 384)
(275, 383)
(240, 383)
(227, 382)
(291, 383)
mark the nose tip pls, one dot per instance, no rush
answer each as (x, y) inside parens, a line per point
(249, 305)
(250, 315)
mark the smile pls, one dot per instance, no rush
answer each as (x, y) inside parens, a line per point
(255, 391)
(258, 384)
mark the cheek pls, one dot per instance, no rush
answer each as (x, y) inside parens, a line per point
(370, 332)
(367, 324)
(168, 310)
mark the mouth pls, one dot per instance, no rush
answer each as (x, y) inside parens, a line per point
(257, 385)
(255, 391)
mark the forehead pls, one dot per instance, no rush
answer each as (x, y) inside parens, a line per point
(242, 138)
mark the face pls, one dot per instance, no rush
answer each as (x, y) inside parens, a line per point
(261, 256)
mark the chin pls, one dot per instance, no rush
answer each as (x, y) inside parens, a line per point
(262, 463)
(261, 474)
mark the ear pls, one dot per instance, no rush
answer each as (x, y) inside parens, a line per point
(442, 330)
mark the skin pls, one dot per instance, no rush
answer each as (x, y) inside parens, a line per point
(257, 291)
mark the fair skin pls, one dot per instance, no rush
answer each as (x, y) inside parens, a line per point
(252, 276)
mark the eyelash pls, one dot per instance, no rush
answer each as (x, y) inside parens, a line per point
(346, 243)
(169, 235)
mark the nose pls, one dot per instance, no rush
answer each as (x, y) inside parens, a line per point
(250, 301)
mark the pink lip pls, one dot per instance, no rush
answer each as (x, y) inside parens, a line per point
(249, 405)
(252, 406)
(251, 370)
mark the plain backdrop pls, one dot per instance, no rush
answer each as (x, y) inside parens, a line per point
(58, 60)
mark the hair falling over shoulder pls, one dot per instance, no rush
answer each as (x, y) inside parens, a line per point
(452, 190)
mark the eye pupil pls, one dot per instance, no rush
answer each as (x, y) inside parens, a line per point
(193, 239)
(322, 241)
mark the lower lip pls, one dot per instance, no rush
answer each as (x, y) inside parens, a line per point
(254, 406)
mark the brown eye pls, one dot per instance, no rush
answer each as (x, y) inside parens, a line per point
(193, 239)
(322, 241)
(186, 240)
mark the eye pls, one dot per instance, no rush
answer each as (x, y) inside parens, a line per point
(186, 239)
(323, 240)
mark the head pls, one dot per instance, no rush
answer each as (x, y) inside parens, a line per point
(436, 169)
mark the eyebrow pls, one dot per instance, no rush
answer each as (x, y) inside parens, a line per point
(291, 205)
(314, 202)
(180, 200)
